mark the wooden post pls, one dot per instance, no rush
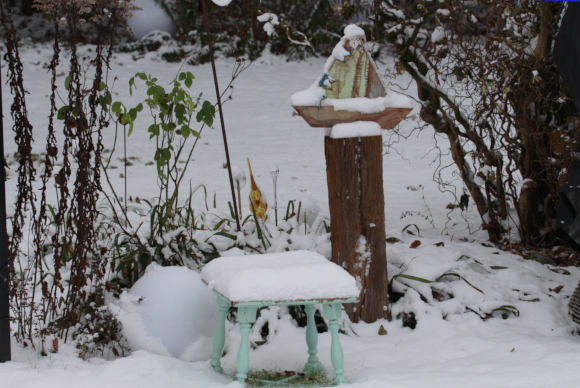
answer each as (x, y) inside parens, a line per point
(354, 169)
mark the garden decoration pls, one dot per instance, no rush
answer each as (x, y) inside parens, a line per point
(279, 279)
(274, 171)
(351, 100)
(258, 204)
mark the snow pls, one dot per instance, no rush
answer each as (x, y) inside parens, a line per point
(451, 346)
(222, 3)
(314, 96)
(169, 312)
(353, 31)
(438, 34)
(271, 21)
(288, 276)
(356, 129)
(369, 105)
(152, 17)
(239, 177)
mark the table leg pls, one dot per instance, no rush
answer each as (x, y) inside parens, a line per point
(246, 316)
(313, 365)
(332, 312)
(219, 338)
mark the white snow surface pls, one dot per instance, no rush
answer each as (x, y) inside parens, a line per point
(353, 31)
(151, 18)
(356, 129)
(369, 105)
(222, 3)
(288, 276)
(451, 346)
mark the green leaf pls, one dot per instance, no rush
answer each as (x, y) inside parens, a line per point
(185, 131)
(188, 82)
(496, 267)
(62, 112)
(125, 119)
(139, 107)
(143, 76)
(159, 90)
(151, 91)
(182, 76)
(67, 82)
(154, 129)
(102, 86)
(179, 111)
(195, 133)
(166, 154)
(130, 128)
(410, 277)
(116, 108)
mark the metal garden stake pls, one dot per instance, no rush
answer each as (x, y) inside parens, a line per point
(274, 170)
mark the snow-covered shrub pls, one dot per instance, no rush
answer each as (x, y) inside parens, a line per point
(489, 85)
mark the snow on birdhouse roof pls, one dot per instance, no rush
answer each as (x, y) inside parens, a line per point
(288, 276)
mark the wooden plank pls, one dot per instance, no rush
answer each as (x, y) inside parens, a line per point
(357, 208)
(351, 76)
(375, 87)
(327, 117)
(372, 200)
(342, 166)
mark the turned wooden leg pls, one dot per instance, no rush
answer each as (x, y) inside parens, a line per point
(219, 338)
(246, 316)
(332, 313)
(313, 365)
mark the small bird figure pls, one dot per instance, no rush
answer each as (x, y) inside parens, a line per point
(257, 199)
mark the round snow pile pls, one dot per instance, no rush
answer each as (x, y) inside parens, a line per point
(175, 315)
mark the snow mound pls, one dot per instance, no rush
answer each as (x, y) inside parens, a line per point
(170, 312)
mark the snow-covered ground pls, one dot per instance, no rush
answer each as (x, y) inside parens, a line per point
(461, 338)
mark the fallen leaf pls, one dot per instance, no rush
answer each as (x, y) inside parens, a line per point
(440, 244)
(415, 244)
(382, 330)
(411, 233)
(392, 240)
(122, 175)
(557, 289)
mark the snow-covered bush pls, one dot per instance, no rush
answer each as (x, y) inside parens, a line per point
(488, 84)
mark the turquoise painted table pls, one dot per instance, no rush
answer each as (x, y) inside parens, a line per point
(283, 279)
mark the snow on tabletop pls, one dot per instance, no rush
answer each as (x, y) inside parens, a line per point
(356, 129)
(288, 276)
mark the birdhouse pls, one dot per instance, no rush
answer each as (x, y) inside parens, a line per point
(352, 102)
(350, 89)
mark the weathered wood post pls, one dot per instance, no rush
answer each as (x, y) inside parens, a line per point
(351, 91)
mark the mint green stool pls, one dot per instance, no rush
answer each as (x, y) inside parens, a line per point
(247, 316)
(300, 278)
